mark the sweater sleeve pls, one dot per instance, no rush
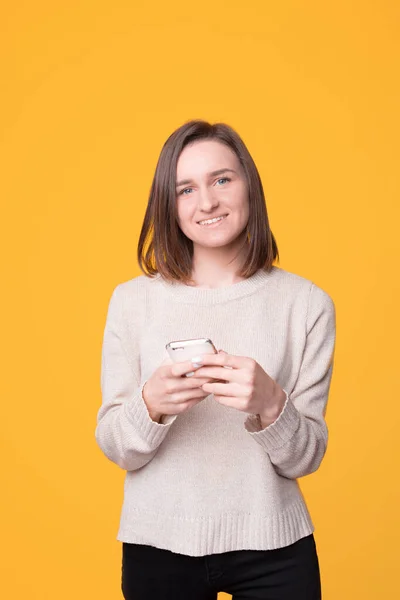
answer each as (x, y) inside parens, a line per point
(296, 442)
(125, 432)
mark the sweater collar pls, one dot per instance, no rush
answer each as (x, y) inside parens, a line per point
(195, 295)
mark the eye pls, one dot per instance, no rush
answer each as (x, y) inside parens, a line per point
(182, 192)
(224, 179)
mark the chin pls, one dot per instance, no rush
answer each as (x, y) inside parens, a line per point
(215, 243)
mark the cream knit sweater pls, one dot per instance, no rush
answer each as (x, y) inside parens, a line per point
(211, 480)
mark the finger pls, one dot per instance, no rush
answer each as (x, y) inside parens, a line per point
(195, 380)
(184, 406)
(224, 359)
(192, 383)
(180, 369)
(216, 372)
(227, 401)
(221, 389)
(176, 385)
(185, 395)
(189, 374)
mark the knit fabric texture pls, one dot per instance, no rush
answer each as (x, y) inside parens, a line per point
(211, 479)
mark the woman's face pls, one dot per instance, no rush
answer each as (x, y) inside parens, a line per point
(204, 194)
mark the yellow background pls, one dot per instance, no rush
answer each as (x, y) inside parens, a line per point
(89, 93)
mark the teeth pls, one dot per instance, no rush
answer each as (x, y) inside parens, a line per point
(211, 220)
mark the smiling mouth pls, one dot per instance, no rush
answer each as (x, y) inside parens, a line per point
(213, 220)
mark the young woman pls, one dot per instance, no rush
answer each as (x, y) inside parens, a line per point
(211, 498)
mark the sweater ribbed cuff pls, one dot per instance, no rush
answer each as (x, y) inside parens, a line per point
(150, 430)
(278, 433)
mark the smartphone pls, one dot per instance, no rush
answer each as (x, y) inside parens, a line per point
(182, 350)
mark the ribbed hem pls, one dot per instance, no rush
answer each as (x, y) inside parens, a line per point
(152, 432)
(279, 432)
(218, 533)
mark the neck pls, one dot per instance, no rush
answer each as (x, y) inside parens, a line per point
(217, 267)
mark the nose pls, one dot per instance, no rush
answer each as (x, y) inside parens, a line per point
(207, 201)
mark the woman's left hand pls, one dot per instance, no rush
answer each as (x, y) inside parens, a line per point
(248, 387)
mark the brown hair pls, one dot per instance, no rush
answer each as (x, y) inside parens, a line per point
(170, 251)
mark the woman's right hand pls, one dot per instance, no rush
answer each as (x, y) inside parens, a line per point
(169, 392)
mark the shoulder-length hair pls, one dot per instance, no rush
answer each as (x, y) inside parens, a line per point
(169, 251)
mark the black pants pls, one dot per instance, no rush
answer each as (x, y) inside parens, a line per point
(289, 573)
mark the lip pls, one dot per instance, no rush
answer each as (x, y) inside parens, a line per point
(216, 217)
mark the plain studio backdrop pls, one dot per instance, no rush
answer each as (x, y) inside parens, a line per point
(89, 93)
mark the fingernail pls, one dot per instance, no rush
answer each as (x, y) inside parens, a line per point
(190, 374)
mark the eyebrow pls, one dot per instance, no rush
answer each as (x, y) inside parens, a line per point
(212, 174)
